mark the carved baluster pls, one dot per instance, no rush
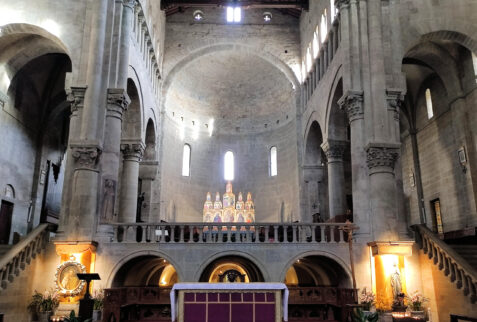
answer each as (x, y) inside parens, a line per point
(332, 234)
(294, 240)
(446, 266)
(342, 235)
(459, 275)
(466, 284)
(257, 234)
(181, 236)
(173, 234)
(267, 231)
(441, 260)
(201, 233)
(425, 248)
(452, 271)
(323, 236)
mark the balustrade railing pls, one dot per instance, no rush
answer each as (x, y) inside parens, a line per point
(453, 265)
(216, 233)
(21, 254)
(321, 295)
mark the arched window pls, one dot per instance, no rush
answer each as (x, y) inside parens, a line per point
(430, 111)
(333, 10)
(323, 27)
(229, 166)
(474, 62)
(309, 61)
(273, 161)
(186, 161)
(303, 71)
(316, 43)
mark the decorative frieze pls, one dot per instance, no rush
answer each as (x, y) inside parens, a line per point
(394, 99)
(132, 151)
(118, 102)
(352, 103)
(86, 156)
(76, 97)
(334, 150)
(382, 156)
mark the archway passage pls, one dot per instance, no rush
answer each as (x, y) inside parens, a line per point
(319, 289)
(140, 290)
(230, 269)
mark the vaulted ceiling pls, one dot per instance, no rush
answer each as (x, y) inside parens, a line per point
(291, 7)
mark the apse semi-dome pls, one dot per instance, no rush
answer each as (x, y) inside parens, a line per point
(242, 92)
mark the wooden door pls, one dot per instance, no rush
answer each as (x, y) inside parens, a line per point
(6, 212)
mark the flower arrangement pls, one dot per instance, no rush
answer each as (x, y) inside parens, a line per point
(416, 300)
(367, 299)
(98, 297)
(383, 305)
(45, 302)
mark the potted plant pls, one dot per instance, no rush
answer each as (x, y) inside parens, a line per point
(360, 316)
(416, 301)
(98, 297)
(366, 299)
(43, 305)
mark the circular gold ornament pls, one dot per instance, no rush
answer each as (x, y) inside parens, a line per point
(67, 283)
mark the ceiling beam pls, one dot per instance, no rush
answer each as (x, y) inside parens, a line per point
(278, 4)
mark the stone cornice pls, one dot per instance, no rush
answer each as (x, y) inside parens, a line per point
(352, 103)
(381, 157)
(132, 150)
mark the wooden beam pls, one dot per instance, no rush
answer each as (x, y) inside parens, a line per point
(280, 4)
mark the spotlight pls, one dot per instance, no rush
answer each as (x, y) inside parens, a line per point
(198, 15)
(267, 16)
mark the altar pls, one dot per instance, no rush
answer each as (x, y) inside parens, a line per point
(229, 302)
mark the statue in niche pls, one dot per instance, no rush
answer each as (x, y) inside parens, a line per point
(240, 204)
(396, 283)
(229, 197)
(217, 203)
(109, 197)
(208, 209)
(249, 203)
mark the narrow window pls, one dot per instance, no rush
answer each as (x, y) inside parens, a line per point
(309, 61)
(229, 166)
(430, 112)
(303, 70)
(186, 161)
(316, 43)
(474, 62)
(234, 14)
(273, 161)
(332, 10)
(323, 27)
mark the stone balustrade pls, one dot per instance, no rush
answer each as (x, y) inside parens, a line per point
(22, 253)
(237, 233)
(453, 265)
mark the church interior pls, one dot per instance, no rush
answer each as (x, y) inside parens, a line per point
(238, 160)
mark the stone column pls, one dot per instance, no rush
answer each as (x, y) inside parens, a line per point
(147, 173)
(76, 99)
(313, 175)
(133, 152)
(381, 158)
(118, 102)
(352, 103)
(334, 151)
(126, 27)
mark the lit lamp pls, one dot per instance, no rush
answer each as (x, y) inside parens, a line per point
(198, 15)
(267, 16)
(87, 303)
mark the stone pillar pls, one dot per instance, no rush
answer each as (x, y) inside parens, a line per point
(381, 159)
(133, 152)
(334, 151)
(147, 173)
(76, 99)
(313, 175)
(352, 103)
(118, 102)
(126, 27)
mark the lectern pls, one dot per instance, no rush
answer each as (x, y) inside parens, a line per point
(87, 303)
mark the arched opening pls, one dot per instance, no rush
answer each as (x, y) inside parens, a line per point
(439, 76)
(132, 125)
(315, 176)
(231, 269)
(319, 289)
(150, 151)
(147, 281)
(35, 115)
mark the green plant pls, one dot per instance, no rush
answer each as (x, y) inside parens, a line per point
(359, 316)
(98, 298)
(45, 302)
(416, 300)
(34, 305)
(367, 299)
(74, 318)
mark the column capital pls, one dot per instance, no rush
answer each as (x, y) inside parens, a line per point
(381, 157)
(334, 150)
(129, 3)
(75, 95)
(118, 102)
(132, 150)
(352, 103)
(341, 4)
(86, 154)
(394, 99)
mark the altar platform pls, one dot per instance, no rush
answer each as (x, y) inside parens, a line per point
(229, 302)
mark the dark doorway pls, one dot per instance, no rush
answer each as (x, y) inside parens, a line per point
(6, 212)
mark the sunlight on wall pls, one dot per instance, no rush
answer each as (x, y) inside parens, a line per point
(51, 26)
(8, 16)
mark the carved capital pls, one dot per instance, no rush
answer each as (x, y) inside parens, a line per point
(129, 3)
(342, 4)
(352, 103)
(394, 99)
(382, 157)
(86, 155)
(118, 101)
(334, 150)
(132, 151)
(76, 97)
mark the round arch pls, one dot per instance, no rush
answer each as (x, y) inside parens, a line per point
(260, 266)
(138, 254)
(331, 256)
(276, 62)
(336, 85)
